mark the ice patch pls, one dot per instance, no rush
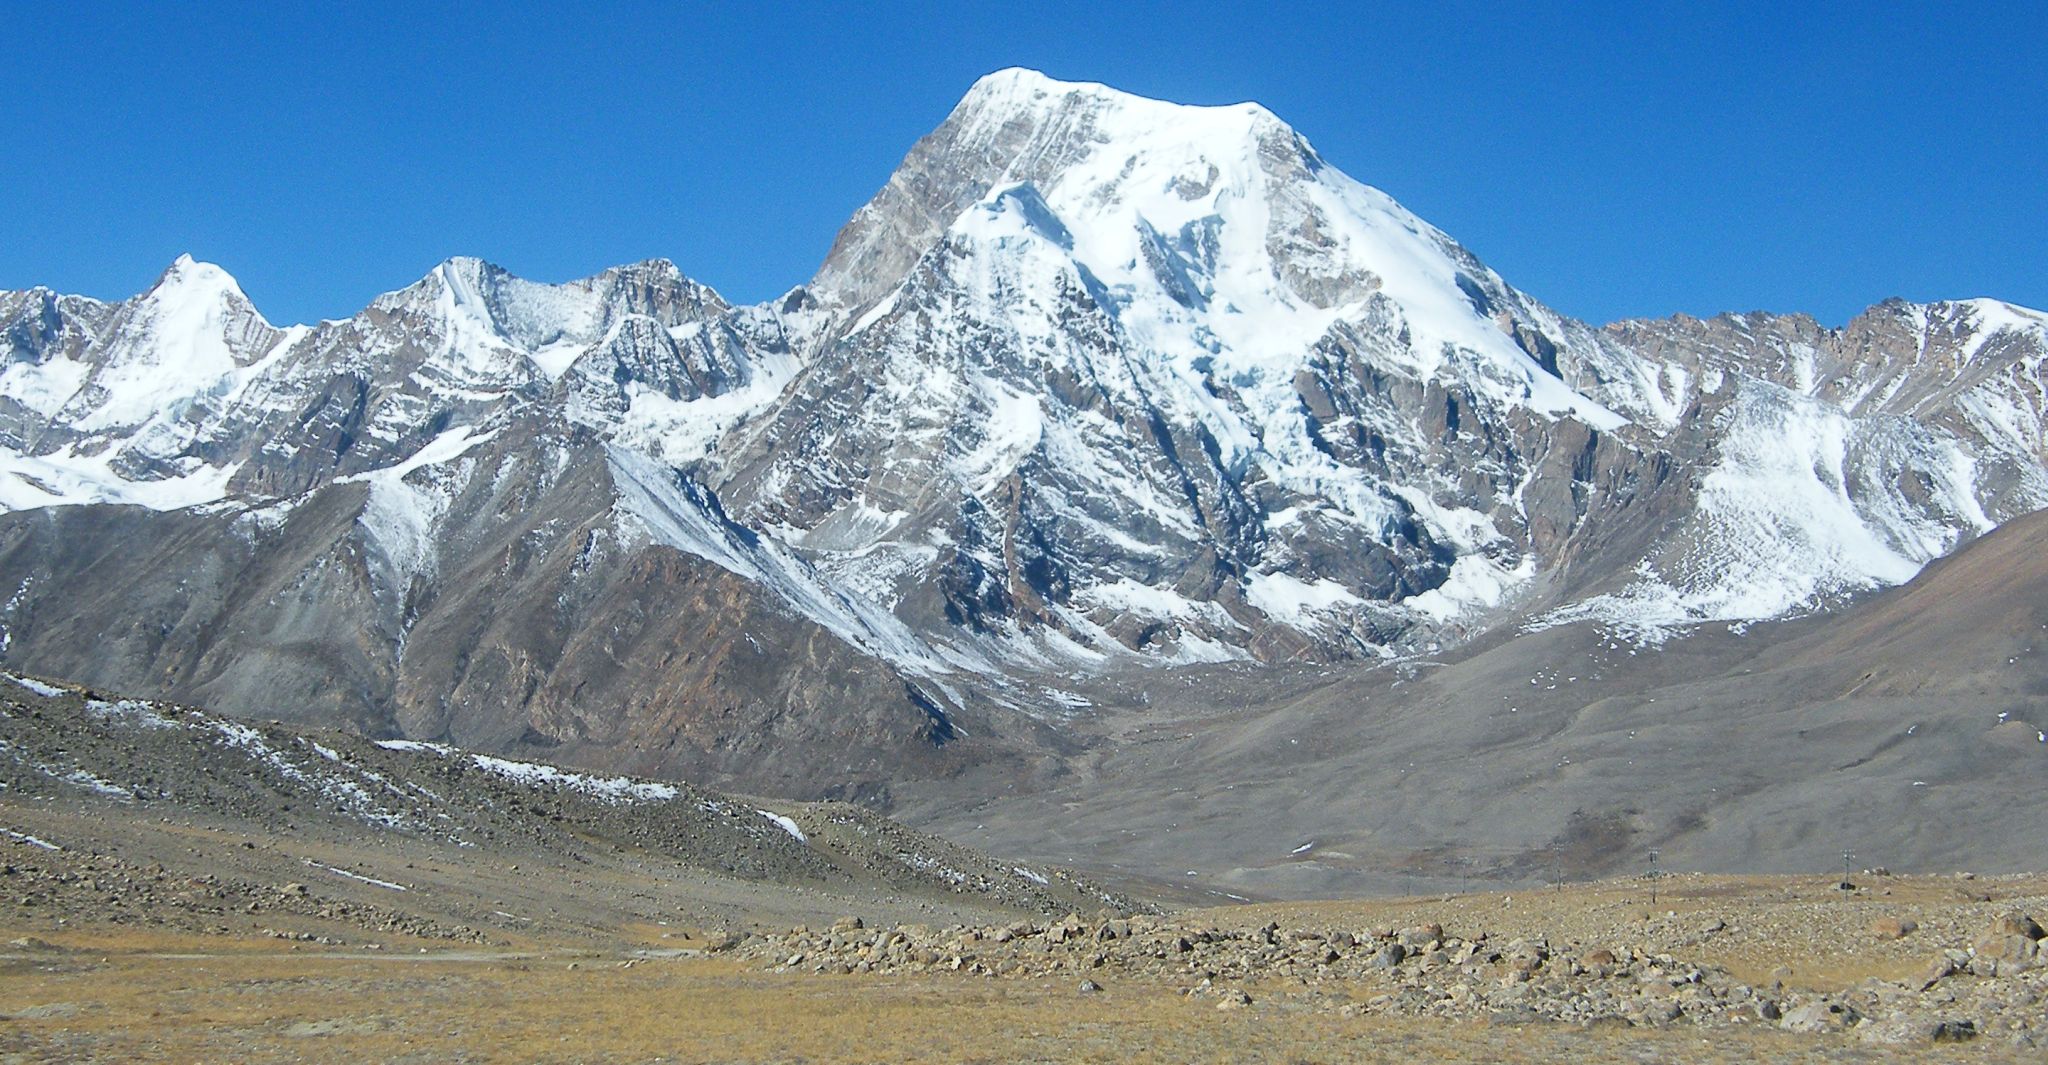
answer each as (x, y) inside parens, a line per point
(371, 880)
(415, 745)
(50, 691)
(1476, 583)
(788, 825)
(1293, 601)
(31, 840)
(129, 713)
(604, 789)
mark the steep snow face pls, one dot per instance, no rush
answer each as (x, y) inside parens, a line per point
(1145, 328)
(185, 394)
(1160, 378)
(658, 506)
(1219, 233)
(1837, 461)
(178, 343)
(109, 400)
(1093, 376)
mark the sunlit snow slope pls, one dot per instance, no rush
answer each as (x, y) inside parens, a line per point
(1093, 380)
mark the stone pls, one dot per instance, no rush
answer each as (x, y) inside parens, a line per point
(848, 924)
(1939, 969)
(2007, 949)
(2017, 924)
(1090, 987)
(1816, 1017)
(1421, 935)
(1388, 956)
(1893, 927)
(1915, 1030)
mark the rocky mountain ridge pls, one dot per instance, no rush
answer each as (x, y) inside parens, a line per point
(1094, 383)
(76, 764)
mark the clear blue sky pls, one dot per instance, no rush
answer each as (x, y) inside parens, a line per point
(1638, 159)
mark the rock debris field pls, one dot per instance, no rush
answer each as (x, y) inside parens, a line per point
(1959, 973)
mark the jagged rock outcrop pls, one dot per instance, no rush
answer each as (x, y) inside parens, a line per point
(1094, 382)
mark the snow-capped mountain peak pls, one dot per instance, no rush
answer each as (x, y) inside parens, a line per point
(1256, 245)
(1093, 378)
(180, 340)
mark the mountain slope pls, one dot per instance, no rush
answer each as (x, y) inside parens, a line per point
(403, 838)
(1907, 730)
(1096, 389)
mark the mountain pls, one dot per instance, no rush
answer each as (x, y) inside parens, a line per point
(119, 808)
(1096, 392)
(1907, 729)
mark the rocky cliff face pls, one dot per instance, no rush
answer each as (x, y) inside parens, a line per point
(1094, 383)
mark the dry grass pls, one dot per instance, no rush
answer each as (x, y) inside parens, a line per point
(1803, 931)
(261, 1002)
(122, 995)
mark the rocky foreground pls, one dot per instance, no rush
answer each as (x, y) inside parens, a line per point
(1734, 969)
(1992, 987)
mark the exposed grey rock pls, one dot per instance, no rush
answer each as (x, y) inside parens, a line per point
(1822, 1016)
(866, 537)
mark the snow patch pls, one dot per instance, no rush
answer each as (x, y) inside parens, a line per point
(605, 789)
(786, 824)
(50, 691)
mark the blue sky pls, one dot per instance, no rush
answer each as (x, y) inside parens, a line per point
(1638, 159)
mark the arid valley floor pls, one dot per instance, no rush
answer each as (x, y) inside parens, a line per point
(88, 990)
(178, 887)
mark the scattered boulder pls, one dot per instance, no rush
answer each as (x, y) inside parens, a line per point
(1233, 999)
(1995, 954)
(2017, 924)
(1914, 1030)
(1893, 927)
(1939, 969)
(1421, 936)
(2006, 947)
(1815, 1017)
(1508, 978)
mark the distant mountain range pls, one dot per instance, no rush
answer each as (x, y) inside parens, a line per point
(1096, 391)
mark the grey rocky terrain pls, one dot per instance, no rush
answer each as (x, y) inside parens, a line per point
(1979, 972)
(1129, 486)
(124, 811)
(1906, 729)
